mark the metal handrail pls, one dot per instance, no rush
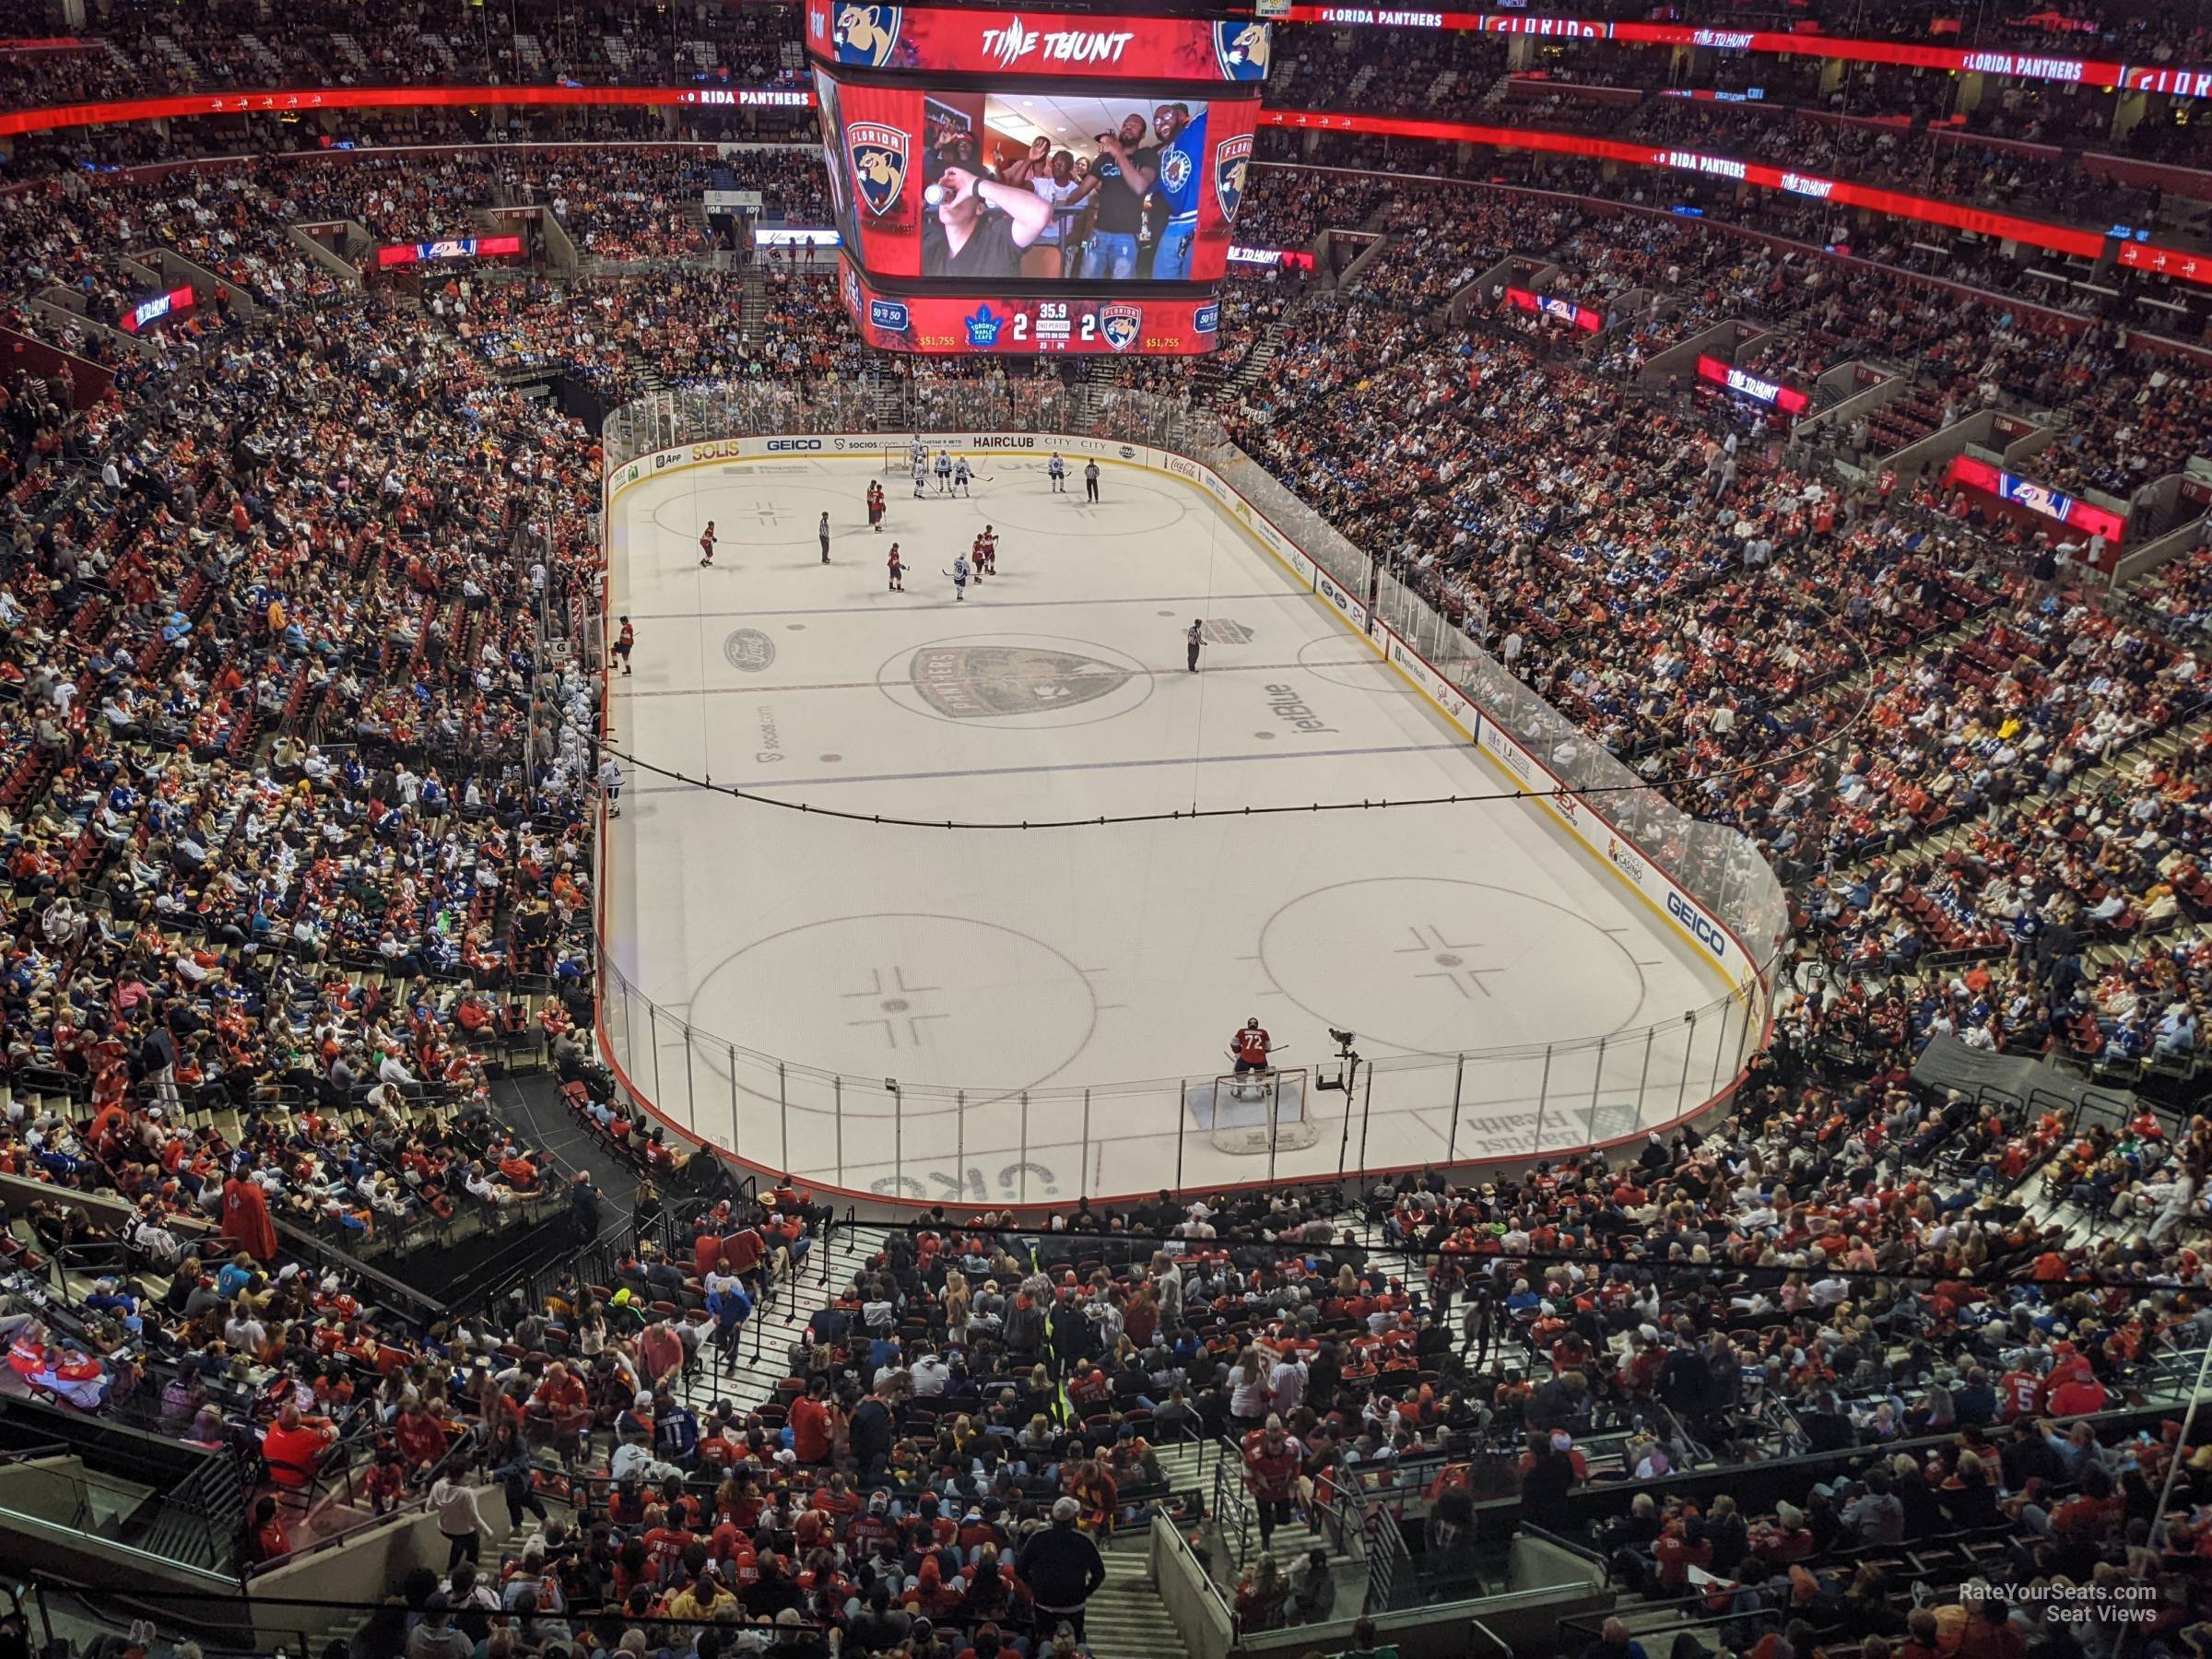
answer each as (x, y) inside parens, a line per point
(462, 1454)
(27, 1453)
(1228, 1499)
(412, 1304)
(1387, 1553)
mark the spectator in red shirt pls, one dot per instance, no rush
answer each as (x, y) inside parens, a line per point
(1678, 1551)
(1989, 1633)
(2020, 1393)
(293, 1447)
(810, 1424)
(2074, 1393)
(565, 1405)
(271, 1542)
(1272, 1462)
(419, 1436)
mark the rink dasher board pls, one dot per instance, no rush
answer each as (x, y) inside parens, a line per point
(1711, 940)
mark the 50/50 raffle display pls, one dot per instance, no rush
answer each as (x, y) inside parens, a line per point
(1026, 181)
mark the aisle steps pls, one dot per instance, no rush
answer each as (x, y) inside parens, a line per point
(752, 1381)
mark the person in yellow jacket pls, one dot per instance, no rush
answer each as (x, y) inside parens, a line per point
(703, 1598)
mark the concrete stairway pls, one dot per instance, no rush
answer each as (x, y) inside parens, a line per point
(269, 65)
(782, 1322)
(1126, 1620)
(185, 72)
(752, 305)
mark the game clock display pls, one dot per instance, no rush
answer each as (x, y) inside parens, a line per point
(1143, 325)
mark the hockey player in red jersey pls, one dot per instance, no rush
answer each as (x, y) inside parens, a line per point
(1251, 1046)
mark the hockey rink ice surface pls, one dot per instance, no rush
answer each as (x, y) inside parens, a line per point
(997, 975)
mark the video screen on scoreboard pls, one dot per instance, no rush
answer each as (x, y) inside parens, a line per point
(1035, 185)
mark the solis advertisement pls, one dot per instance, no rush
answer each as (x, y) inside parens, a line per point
(1035, 43)
(1021, 186)
(1144, 323)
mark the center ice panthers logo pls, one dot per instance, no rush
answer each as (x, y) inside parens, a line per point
(1232, 156)
(867, 35)
(1241, 50)
(975, 682)
(879, 154)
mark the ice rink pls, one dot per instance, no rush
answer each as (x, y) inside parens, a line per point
(997, 975)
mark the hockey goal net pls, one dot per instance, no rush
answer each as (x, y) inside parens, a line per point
(1258, 1112)
(897, 460)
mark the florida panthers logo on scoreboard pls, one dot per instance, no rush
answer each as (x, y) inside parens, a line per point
(867, 35)
(1121, 325)
(879, 154)
(1232, 156)
(1241, 50)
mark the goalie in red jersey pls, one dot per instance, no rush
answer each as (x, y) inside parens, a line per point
(1250, 1048)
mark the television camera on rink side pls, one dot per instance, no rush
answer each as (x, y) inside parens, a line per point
(1034, 183)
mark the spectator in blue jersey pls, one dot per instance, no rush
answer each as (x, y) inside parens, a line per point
(1182, 177)
(674, 1429)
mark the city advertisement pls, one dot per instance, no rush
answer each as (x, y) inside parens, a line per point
(1036, 42)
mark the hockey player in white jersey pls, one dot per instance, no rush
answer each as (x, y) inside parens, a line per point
(960, 476)
(1057, 470)
(921, 475)
(919, 454)
(943, 473)
(961, 572)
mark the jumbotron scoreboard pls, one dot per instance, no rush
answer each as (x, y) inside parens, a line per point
(1034, 183)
